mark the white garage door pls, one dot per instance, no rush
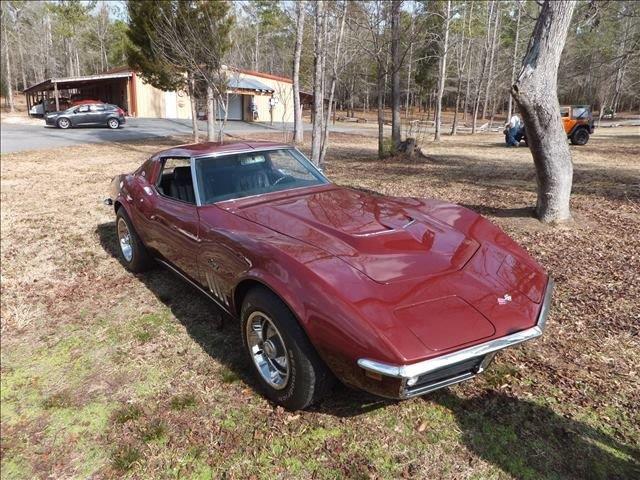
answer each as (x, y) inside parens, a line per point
(170, 107)
(234, 108)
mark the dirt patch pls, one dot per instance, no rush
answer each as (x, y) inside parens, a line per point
(106, 374)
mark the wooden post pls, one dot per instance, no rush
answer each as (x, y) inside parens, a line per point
(55, 92)
(28, 103)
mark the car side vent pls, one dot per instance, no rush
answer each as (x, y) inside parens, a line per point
(216, 289)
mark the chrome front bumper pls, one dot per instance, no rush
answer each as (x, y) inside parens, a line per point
(429, 375)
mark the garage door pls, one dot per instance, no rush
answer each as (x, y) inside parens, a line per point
(234, 108)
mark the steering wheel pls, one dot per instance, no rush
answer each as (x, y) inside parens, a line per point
(281, 179)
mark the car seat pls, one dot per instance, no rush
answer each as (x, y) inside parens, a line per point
(182, 185)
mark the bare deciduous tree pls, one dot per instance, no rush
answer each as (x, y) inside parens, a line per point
(298, 127)
(443, 69)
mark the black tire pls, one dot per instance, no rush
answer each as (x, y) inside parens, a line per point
(113, 123)
(308, 377)
(63, 123)
(580, 137)
(138, 259)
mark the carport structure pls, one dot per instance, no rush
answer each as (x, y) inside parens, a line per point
(112, 87)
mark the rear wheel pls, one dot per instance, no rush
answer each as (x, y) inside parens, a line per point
(288, 368)
(64, 123)
(133, 254)
(580, 137)
(113, 123)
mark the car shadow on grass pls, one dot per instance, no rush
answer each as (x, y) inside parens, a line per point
(531, 441)
(218, 334)
(522, 438)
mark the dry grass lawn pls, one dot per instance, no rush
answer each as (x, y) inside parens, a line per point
(109, 375)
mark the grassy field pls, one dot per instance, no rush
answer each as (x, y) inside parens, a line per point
(108, 375)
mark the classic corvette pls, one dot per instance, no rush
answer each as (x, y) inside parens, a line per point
(396, 296)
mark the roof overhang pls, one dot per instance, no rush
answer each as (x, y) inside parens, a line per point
(75, 82)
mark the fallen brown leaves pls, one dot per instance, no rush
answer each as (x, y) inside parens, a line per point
(83, 340)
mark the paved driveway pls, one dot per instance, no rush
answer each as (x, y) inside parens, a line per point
(17, 137)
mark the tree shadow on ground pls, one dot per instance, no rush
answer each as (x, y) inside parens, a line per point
(523, 212)
(531, 441)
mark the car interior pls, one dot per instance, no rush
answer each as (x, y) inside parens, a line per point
(245, 174)
(176, 181)
(232, 176)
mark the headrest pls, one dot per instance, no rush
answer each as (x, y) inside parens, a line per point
(182, 173)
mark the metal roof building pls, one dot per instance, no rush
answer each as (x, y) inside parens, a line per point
(270, 95)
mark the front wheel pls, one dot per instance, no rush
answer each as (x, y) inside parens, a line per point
(64, 123)
(113, 123)
(580, 137)
(288, 368)
(133, 254)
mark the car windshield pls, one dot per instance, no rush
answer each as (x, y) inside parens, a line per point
(245, 174)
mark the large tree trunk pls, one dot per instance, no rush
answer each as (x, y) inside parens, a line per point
(395, 73)
(298, 129)
(443, 72)
(514, 61)
(535, 93)
(318, 94)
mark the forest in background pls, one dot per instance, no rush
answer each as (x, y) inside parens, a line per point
(475, 48)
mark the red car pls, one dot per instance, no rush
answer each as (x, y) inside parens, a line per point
(396, 296)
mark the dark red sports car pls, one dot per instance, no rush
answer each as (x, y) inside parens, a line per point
(396, 296)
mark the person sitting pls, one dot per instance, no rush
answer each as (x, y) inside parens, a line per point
(514, 131)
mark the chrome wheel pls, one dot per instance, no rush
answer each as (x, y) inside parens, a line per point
(113, 123)
(124, 238)
(64, 123)
(268, 350)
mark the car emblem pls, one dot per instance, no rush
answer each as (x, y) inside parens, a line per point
(504, 300)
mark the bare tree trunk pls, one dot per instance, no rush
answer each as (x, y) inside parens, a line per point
(7, 57)
(535, 93)
(514, 60)
(211, 116)
(443, 71)
(491, 59)
(476, 102)
(463, 58)
(318, 73)
(298, 128)
(381, 84)
(395, 73)
(256, 48)
(194, 110)
(409, 64)
(332, 88)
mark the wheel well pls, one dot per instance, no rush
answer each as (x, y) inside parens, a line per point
(116, 206)
(241, 291)
(579, 127)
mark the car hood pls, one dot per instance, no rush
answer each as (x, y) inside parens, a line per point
(384, 238)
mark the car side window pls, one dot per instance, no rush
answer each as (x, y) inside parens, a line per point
(175, 179)
(83, 109)
(579, 112)
(97, 108)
